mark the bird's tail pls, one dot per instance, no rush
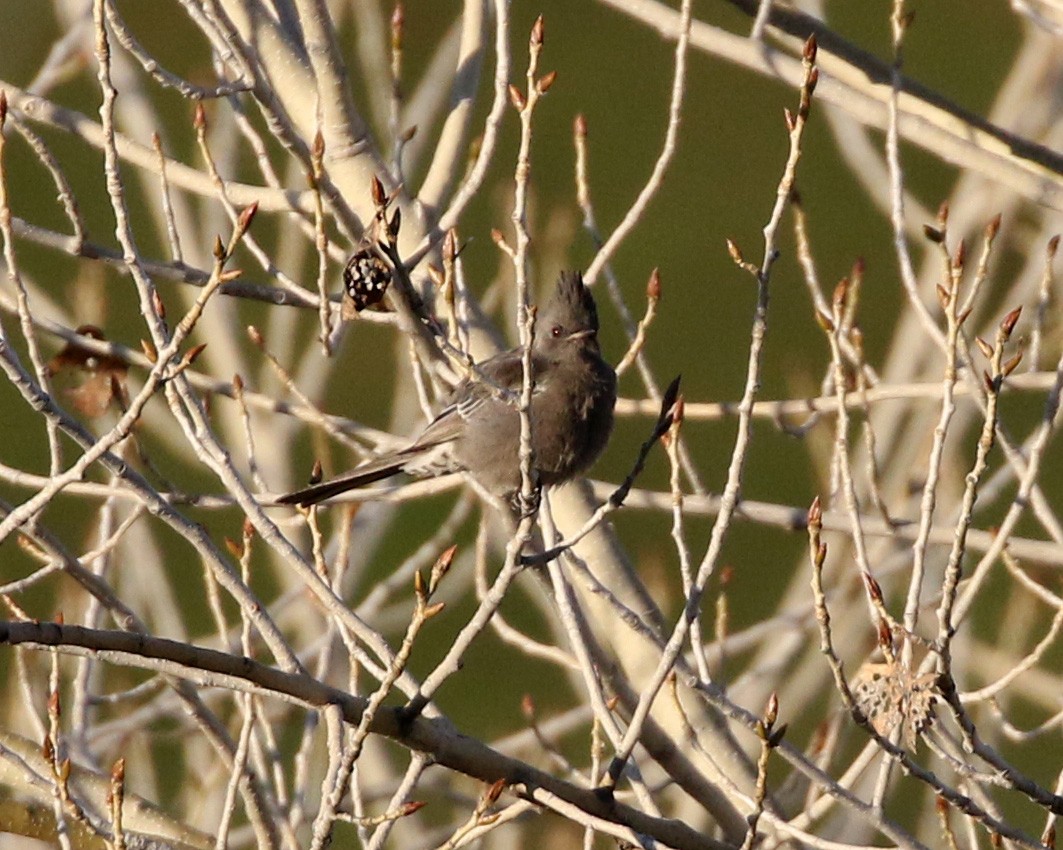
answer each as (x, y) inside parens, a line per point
(367, 473)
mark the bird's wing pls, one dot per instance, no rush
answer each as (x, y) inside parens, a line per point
(503, 371)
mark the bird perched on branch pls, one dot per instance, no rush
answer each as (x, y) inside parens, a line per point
(478, 431)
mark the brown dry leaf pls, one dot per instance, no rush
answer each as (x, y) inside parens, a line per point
(890, 695)
(96, 379)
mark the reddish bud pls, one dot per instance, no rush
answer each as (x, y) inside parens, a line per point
(841, 293)
(376, 191)
(516, 97)
(494, 791)
(537, 32)
(815, 513)
(1010, 320)
(813, 81)
(547, 80)
(960, 259)
(247, 216)
(653, 286)
(811, 48)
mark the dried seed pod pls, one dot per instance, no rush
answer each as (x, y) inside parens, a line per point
(366, 279)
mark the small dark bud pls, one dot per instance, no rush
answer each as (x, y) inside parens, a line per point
(788, 117)
(811, 48)
(933, 234)
(1053, 246)
(318, 149)
(1010, 320)
(395, 224)
(495, 791)
(993, 228)
(316, 472)
(219, 248)
(1012, 364)
(376, 190)
(874, 589)
(199, 118)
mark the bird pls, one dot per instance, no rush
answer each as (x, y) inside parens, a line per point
(478, 429)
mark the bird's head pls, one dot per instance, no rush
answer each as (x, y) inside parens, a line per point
(569, 318)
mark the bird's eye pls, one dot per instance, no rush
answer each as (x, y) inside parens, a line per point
(555, 331)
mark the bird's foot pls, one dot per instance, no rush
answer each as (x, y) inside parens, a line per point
(527, 505)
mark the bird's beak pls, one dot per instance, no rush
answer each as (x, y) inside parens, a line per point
(590, 332)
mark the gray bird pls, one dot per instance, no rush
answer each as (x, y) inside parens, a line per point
(479, 432)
